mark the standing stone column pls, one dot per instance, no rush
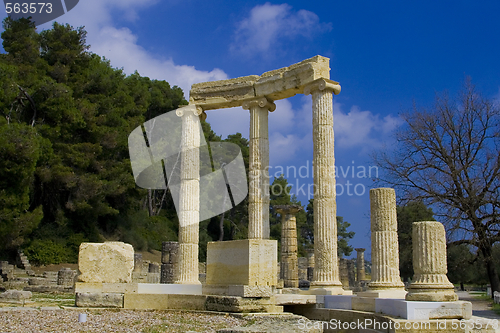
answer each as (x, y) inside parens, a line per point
(189, 201)
(326, 270)
(258, 191)
(168, 262)
(430, 282)
(385, 250)
(310, 264)
(138, 262)
(360, 264)
(289, 270)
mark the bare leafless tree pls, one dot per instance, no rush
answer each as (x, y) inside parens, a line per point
(449, 157)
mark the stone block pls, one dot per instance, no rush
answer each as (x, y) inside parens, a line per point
(242, 262)
(238, 290)
(415, 310)
(153, 278)
(145, 301)
(109, 262)
(187, 289)
(388, 293)
(363, 304)
(97, 287)
(338, 302)
(294, 299)
(37, 281)
(186, 302)
(223, 93)
(241, 304)
(99, 300)
(16, 295)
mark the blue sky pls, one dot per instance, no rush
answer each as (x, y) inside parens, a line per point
(386, 55)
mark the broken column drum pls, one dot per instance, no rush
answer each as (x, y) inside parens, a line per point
(168, 261)
(430, 282)
(289, 269)
(384, 234)
(360, 264)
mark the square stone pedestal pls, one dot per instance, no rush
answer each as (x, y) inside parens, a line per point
(246, 268)
(415, 310)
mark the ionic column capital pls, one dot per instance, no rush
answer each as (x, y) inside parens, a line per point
(190, 109)
(262, 102)
(322, 84)
(288, 209)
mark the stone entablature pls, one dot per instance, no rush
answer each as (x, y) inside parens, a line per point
(276, 84)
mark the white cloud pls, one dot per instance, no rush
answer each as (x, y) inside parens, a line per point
(229, 121)
(267, 24)
(121, 46)
(361, 128)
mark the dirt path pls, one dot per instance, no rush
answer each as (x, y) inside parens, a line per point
(480, 307)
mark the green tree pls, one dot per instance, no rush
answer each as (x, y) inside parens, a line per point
(67, 117)
(19, 153)
(343, 236)
(464, 266)
(411, 212)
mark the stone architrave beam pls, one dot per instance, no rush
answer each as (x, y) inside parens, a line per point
(277, 84)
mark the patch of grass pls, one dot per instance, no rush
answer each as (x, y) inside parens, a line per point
(50, 299)
(481, 296)
(496, 308)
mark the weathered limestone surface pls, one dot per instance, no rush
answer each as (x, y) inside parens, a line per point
(385, 251)
(66, 277)
(289, 270)
(258, 195)
(106, 262)
(326, 270)
(106, 287)
(430, 282)
(189, 203)
(242, 262)
(169, 261)
(16, 295)
(277, 84)
(99, 300)
(360, 264)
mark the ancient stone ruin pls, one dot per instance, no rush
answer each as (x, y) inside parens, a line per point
(242, 275)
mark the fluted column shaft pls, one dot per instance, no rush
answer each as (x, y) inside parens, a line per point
(360, 264)
(189, 201)
(258, 191)
(384, 231)
(289, 268)
(430, 282)
(326, 270)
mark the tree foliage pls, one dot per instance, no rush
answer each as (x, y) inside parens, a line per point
(411, 212)
(343, 236)
(449, 157)
(64, 163)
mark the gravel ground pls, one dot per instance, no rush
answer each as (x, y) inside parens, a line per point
(114, 321)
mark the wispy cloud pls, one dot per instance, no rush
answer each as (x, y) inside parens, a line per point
(268, 25)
